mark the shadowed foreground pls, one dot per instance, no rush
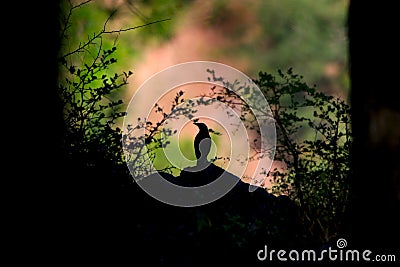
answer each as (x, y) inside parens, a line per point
(228, 230)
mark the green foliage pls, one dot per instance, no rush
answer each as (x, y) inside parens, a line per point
(157, 10)
(313, 142)
(306, 35)
(86, 88)
(144, 140)
(313, 130)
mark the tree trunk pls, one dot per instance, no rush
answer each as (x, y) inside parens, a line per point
(375, 195)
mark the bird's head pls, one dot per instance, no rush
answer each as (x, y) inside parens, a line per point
(202, 126)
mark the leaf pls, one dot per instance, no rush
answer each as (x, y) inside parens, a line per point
(72, 69)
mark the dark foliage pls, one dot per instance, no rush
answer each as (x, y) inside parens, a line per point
(313, 144)
(108, 216)
(111, 214)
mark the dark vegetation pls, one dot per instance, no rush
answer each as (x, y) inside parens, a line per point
(314, 182)
(100, 215)
(313, 143)
(372, 219)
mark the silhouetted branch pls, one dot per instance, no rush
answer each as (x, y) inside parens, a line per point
(90, 41)
(136, 27)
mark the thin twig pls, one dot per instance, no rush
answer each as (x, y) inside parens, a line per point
(81, 4)
(136, 27)
(98, 35)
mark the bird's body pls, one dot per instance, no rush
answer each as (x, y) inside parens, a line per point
(202, 143)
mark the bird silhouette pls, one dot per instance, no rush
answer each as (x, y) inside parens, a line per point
(202, 143)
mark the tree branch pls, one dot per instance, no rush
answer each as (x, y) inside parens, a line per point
(135, 27)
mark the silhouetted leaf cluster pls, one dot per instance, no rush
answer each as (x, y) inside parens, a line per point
(314, 177)
(87, 90)
(313, 144)
(144, 139)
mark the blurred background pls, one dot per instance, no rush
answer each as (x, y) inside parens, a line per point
(309, 36)
(249, 35)
(252, 36)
